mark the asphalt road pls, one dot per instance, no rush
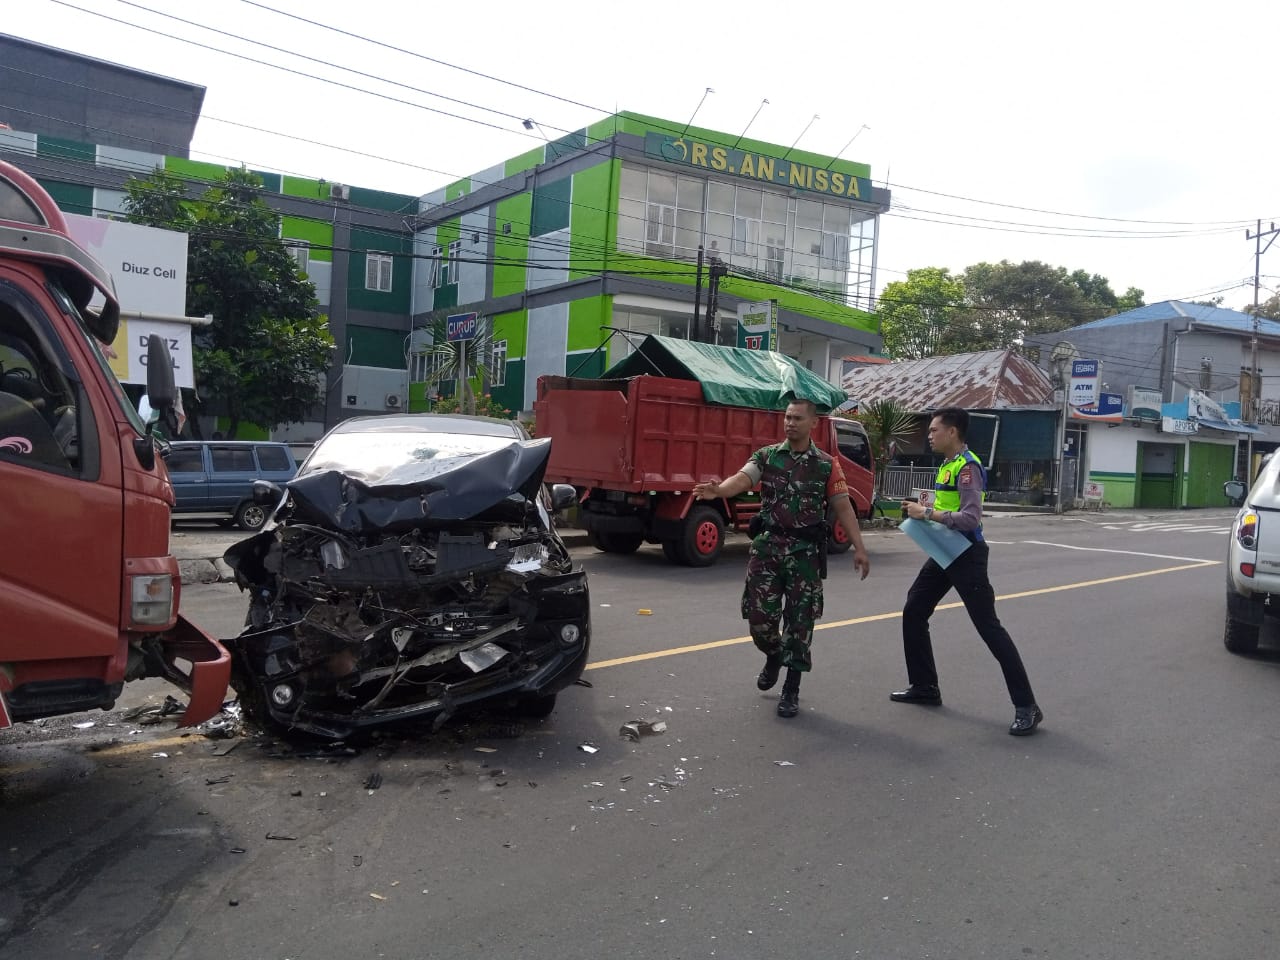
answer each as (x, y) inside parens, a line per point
(1138, 823)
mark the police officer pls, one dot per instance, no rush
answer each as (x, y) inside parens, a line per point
(959, 490)
(797, 483)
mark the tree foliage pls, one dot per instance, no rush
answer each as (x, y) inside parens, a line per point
(1268, 309)
(991, 306)
(262, 360)
(886, 422)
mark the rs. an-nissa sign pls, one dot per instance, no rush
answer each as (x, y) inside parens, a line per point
(756, 166)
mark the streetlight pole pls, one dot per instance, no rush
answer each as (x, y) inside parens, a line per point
(1255, 382)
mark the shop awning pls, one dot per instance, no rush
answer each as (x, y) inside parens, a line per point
(1229, 427)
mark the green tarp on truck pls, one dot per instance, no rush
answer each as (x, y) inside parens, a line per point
(730, 376)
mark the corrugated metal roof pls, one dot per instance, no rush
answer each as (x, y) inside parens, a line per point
(991, 380)
(1180, 310)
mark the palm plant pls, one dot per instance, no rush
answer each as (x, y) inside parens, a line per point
(460, 360)
(886, 422)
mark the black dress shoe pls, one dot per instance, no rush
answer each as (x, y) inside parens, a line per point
(789, 702)
(769, 675)
(1025, 721)
(918, 693)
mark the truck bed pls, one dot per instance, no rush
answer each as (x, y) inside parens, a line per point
(645, 433)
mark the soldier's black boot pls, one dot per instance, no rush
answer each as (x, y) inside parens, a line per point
(789, 702)
(769, 675)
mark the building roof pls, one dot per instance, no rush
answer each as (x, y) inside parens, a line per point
(1219, 318)
(862, 359)
(990, 380)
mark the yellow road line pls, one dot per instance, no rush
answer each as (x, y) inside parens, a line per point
(697, 647)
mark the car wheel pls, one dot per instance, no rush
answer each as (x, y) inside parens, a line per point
(251, 517)
(703, 537)
(535, 707)
(616, 542)
(1240, 637)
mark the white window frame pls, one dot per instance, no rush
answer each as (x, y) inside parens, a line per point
(498, 364)
(437, 268)
(300, 250)
(378, 271)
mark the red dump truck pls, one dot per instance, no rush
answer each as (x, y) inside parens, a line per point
(88, 589)
(634, 446)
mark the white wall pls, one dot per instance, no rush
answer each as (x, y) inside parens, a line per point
(548, 341)
(476, 245)
(1115, 450)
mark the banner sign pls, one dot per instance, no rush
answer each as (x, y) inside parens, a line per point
(758, 325)
(1085, 385)
(1109, 409)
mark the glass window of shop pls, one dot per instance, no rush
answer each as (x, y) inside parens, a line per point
(828, 247)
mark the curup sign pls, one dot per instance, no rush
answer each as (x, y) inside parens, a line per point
(462, 326)
(758, 325)
(149, 267)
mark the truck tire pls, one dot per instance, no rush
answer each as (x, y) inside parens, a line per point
(251, 517)
(1240, 637)
(702, 538)
(616, 542)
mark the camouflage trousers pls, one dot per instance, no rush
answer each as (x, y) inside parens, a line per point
(783, 590)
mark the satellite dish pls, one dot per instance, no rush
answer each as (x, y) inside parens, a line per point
(1064, 351)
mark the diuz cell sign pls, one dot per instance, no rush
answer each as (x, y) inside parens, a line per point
(462, 326)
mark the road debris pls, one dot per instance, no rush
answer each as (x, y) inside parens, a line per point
(210, 781)
(588, 748)
(83, 726)
(642, 728)
(159, 755)
(377, 896)
(644, 612)
(280, 836)
(486, 750)
(373, 782)
(783, 763)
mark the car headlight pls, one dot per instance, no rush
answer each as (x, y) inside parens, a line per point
(151, 597)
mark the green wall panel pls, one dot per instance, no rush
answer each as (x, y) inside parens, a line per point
(270, 181)
(585, 364)
(514, 328)
(418, 402)
(397, 300)
(197, 170)
(1118, 489)
(526, 161)
(374, 347)
(316, 232)
(382, 200)
(570, 143)
(70, 197)
(511, 393)
(586, 317)
(459, 188)
(551, 207)
(446, 297)
(509, 278)
(594, 196)
(58, 148)
(302, 187)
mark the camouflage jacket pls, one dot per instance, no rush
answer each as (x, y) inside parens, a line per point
(794, 492)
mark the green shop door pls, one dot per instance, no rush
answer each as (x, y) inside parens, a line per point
(1211, 465)
(1159, 473)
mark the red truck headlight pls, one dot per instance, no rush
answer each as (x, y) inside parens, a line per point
(151, 596)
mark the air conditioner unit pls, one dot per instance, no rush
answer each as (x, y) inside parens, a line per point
(339, 191)
(393, 401)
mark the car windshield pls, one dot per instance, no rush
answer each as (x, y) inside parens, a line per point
(372, 455)
(97, 350)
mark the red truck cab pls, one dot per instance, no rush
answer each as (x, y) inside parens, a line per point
(89, 591)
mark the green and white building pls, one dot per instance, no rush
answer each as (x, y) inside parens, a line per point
(567, 248)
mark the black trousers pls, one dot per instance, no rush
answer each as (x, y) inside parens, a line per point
(968, 574)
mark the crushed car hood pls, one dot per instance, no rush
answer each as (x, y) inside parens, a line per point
(394, 493)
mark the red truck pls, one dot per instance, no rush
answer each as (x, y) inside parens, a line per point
(635, 447)
(88, 589)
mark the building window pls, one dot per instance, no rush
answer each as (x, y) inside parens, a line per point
(450, 267)
(377, 272)
(498, 364)
(300, 250)
(437, 269)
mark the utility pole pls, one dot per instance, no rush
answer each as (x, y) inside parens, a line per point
(1255, 382)
(718, 269)
(695, 334)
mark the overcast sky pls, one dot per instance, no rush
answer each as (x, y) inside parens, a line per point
(1142, 135)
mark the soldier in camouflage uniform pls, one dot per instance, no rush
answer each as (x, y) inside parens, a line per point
(787, 560)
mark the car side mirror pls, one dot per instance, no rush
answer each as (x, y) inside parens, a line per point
(161, 391)
(1234, 489)
(562, 496)
(266, 493)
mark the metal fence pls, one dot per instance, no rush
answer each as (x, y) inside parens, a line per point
(1008, 476)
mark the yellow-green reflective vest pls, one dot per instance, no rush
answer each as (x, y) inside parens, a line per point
(946, 494)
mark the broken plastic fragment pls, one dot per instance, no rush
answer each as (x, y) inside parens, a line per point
(588, 748)
(482, 657)
(83, 726)
(783, 763)
(377, 896)
(642, 728)
(160, 755)
(644, 612)
(486, 750)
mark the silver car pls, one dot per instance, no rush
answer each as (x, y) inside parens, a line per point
(1253, 558)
